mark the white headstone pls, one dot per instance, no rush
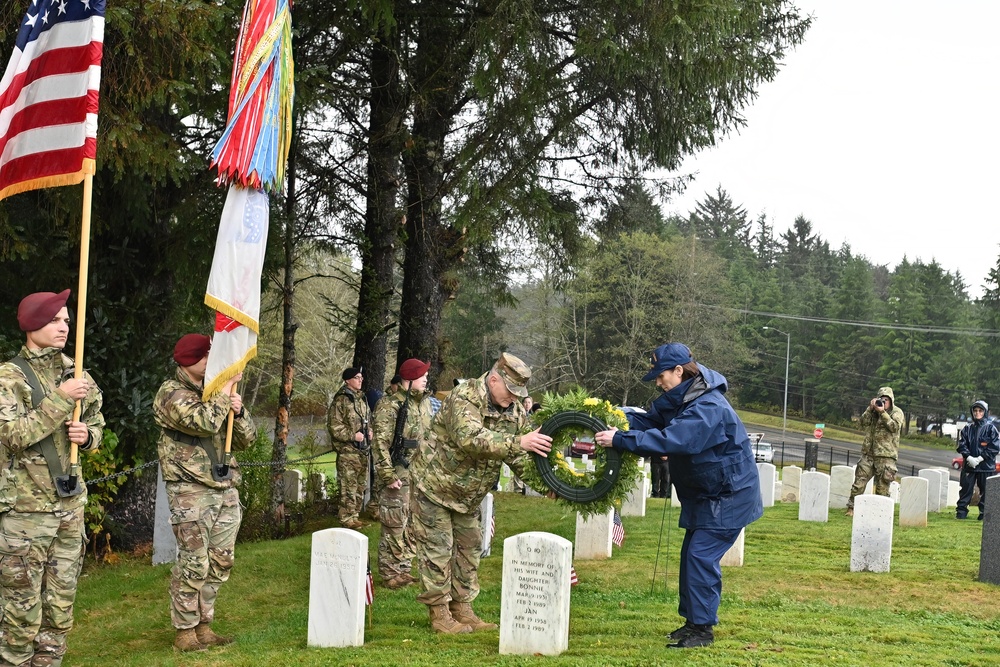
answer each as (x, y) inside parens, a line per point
(913, 501)
(635, 503)
(894, 491)
(954, 489)
(337, 574)
(945, 478)
(164, 542)
(777, 490)
(528, 491)
(790, 477)
(486, 524)
(647, 472)
(505, 478)
(841, 480)
(293, 486)
(316, 488)
(870, 486)
(814, 497)
(933, 477)
(534, 605)
(766, 474)
(871, 535)
(674, 500)
(734, 557)
(593, 536)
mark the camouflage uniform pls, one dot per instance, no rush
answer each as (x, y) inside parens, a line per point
(395, 546)
(471, 438)
(348, 415)
(880, 448)
(204, 513)
(42, 536)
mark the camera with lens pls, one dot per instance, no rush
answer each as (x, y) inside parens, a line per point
(879, 403)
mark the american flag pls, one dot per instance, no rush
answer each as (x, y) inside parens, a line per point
(618, 531)
(49, 96)
(369, 589)
(573, 579)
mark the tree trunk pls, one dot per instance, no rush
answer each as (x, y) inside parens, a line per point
(280, 448)
(433, 249)
(382, 217)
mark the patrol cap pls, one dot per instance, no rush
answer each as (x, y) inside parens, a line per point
(667, 356)
(349, 373)
(413, 369)
(191, 348)
(36, 310)
(515, 374)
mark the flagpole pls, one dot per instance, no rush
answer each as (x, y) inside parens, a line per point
(229, 430)
(81, 301)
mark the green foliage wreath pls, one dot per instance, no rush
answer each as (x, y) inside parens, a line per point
(580, 401)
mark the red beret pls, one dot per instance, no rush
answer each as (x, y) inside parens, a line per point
(191, 349)
(413, 369)
(36, 310)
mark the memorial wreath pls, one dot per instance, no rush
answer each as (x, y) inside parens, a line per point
(572, 419)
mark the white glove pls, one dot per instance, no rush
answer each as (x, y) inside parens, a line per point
(973, 461)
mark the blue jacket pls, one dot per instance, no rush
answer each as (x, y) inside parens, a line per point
(711, 462)
(980, 438)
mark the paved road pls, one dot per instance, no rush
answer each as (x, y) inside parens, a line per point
(911, 457)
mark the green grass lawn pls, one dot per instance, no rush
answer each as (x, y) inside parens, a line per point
(794, 602)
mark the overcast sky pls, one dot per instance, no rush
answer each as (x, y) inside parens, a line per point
(882, 130)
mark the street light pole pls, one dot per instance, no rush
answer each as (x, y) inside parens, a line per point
(788, 350)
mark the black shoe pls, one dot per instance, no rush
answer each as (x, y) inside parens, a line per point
(961, 516)
(700, 635)
(980, 517)
(682, 632)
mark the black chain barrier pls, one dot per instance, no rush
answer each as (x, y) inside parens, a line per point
(248, 464)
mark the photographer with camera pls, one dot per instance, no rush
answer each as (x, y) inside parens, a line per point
(882, 423)
(349, 423)
(402, 423)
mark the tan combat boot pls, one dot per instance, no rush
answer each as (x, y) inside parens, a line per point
(462, 612)
(209, 638)
(441, 621)
(187, 641)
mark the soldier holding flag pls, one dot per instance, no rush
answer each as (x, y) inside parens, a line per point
(202, 489)
(42, 527)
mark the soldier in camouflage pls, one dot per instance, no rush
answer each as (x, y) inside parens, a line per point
(349, 423)
(481, 425)
(205, 509)
(393, 457)
(42, 538)
(882, 423)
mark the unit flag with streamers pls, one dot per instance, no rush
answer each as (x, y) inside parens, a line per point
(250, 158)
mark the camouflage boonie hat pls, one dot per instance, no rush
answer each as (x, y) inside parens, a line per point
(515, 374)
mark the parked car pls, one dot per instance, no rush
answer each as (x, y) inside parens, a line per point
(958, 462)
(763, 453)
(947, 430)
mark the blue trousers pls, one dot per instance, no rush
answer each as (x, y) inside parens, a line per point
(700, 586)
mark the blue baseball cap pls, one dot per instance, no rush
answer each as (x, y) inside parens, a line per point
(665, 357)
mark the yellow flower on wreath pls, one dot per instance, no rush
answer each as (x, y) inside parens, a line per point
(592, 402)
